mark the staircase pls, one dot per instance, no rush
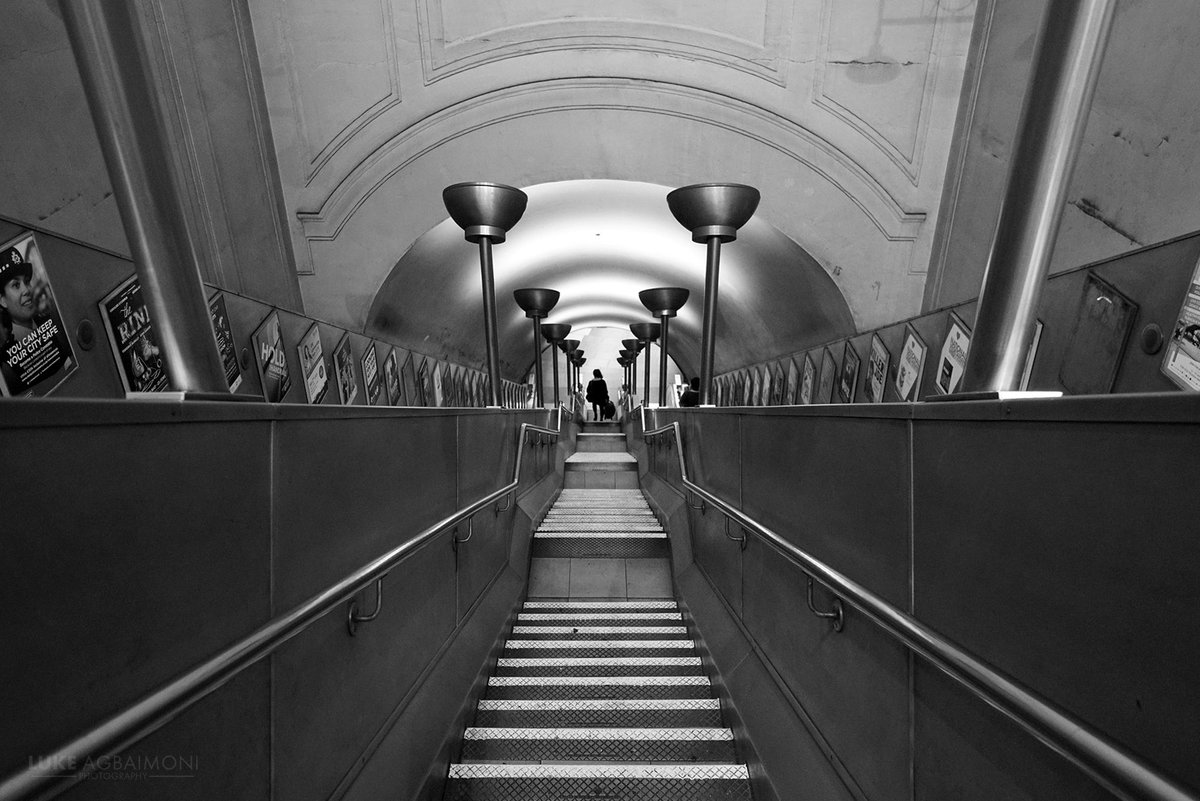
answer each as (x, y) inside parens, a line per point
(600, 692)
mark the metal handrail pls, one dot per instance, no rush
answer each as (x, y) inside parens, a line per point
(1119, 771)
(161, 706)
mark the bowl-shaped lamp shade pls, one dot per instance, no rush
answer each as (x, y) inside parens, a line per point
(709, 210)
(555, 332)
(484, 210)
(645, 332)
(535, 302)
(631, 344)
(629, 353)
(569, 346)
(664, 301)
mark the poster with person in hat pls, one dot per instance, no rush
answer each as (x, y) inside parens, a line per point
(35, 351)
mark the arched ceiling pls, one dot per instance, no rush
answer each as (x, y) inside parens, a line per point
(599, 243)
(839, 111)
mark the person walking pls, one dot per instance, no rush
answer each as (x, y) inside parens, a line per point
(597, 394)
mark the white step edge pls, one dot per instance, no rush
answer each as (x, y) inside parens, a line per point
(598, 661)
(568, 645)
(699, 771)
(697, 734)
(600, 535)
(602, 604)
(531, 616)
(596, 704)
(631, 630)
(599, 681)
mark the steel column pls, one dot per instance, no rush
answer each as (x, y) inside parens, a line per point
(111, 55)
(1069, 54)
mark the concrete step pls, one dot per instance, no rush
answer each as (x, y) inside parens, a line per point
(600, 545)
(609, 666)
(600, 443)
(607, 712)
(630, 745)
(697, 782)
(597, 687)
(601, 461)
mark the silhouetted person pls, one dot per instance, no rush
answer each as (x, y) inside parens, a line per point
(691, 395)
(597, 394)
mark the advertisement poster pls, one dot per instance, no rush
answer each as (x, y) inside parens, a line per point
(808, 381)
(425, 383)
(439, 381)
(312, 365)
(1181, 361)
(911, 365)
(226, 345)
(1103, 322)
(371, 378)
(793, 383)
(953, 358)
(127, 321)
(828, 370)
(391, 378)
(408, 379)
(1032, 354)
(343, 369)
(272, 359)
(35, 350)
(877, 366)
(848, 378)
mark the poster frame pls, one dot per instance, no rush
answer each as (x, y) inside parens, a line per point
(851, 362)
(159, 383)
(877, 368)
(262, 338)
(910, 334)
(343, 368)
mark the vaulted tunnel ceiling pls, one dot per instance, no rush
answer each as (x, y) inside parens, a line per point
(599, 243)
(839, 111)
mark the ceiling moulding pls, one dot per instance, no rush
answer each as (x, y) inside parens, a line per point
(899, 72)
(753, 36)
(323, 221)
(356, 46)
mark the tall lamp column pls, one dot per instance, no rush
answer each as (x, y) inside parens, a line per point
(536, 303)
(554, 334)
(635, 346)
(663, 302)
(486, 212)
(568, 347)
(713, 213)
(646, 333)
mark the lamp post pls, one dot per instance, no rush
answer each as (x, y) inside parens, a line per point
(554, 334)
(577, 359)
(645, 333)
(536, 303)
(486, 212)
(635, 346)
(663, 302)
(713, 213)
(568, 347)
(628, 354)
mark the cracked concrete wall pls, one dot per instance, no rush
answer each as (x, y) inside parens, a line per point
(1135, 183)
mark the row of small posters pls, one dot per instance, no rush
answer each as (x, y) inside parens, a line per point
(36, 354)
(806, 383)
(387, 382)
